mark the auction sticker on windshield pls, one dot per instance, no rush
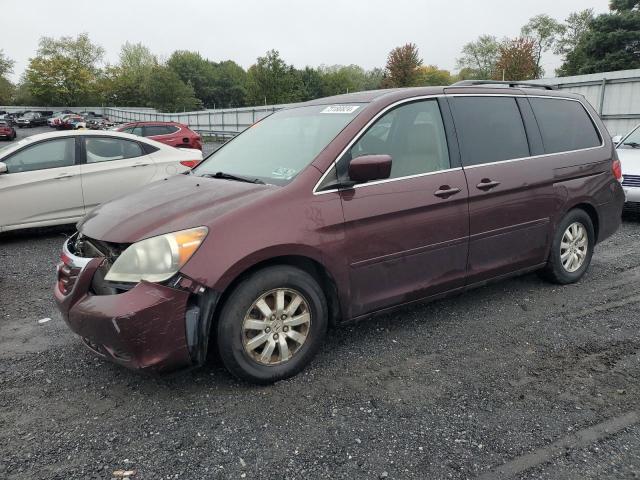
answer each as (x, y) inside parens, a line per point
(340, 109)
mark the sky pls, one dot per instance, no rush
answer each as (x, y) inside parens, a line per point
(305, 32)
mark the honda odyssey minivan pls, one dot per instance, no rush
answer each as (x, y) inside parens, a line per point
(337, 209)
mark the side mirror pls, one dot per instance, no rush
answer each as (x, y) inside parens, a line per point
(616, 139)
(370, 167)
(3, 168)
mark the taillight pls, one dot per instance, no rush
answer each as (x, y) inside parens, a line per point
(189, 163)
(616, 167)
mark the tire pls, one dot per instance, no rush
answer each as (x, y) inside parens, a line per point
(557, 270)
(235, 342)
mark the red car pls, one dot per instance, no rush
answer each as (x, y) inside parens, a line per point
(169, 133)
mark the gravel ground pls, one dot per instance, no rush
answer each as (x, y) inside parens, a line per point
(520, 379)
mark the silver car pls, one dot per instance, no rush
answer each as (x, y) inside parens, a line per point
(629, 153)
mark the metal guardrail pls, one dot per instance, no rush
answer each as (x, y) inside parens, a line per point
(219, 123)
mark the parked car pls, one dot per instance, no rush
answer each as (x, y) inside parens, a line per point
(170, 133)
(31, 119)
(628, 150)
(71, 122)
(56, 178)
(55, 119)
(7, 132)
(337, 209)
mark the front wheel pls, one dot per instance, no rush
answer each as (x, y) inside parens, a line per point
(572, 248)
(272, 324)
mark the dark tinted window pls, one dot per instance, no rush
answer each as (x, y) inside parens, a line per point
(153, 130)
(564, 124)
(490, 129)
(413, 134)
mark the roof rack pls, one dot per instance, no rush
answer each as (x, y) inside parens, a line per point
(473, 83)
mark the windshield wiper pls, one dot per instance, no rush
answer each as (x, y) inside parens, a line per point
(633, 144)
(228, 176)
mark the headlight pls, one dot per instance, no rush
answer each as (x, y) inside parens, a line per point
(157, 258)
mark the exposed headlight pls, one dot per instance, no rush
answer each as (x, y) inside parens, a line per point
(157, 258)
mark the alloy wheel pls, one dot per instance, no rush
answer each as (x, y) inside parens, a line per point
(276, 326)
(574, 247)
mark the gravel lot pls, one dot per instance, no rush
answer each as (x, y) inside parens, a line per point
(520, 379)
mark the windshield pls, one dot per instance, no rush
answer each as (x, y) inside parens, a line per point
(279, 147)
(632, 140)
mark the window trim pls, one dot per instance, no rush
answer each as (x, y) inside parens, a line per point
(83, 144)
(77, 160)
(144, 130)
(447, 95)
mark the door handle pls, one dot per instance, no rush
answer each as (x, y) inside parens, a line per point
(140, 165)
(487, 184)
(64, 175)
(445, 191)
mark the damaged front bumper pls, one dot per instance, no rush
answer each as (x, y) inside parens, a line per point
(151, 327)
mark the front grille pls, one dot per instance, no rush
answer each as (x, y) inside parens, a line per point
(631, 181)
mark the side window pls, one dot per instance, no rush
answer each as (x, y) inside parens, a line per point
(106, 149)
(490, 129)
(564, 124)
(414, 136)
(153, 130)
(135, 131)
(171, 129)
(50, 154)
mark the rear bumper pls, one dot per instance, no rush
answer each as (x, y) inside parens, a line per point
(145, 328)
(632, 194)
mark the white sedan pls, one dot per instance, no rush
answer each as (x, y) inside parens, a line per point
(629, 154)
(57, 178)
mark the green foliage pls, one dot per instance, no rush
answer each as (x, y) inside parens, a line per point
(125, 84)
(64, 71)
(195, 71)
(168, 93)
(229, 86)
(623, 5)
(478, 60)
(402, 66)
(7, 88)
(272, 81)
(610, 43)
(543, 31)
(576, 25)
(432, 75)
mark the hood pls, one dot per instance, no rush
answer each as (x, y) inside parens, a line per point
(177, 203)
(630, 160)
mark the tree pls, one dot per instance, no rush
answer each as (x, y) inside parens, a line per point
(373, 79)
(229, 87)
(517, 60)
(124, 85)
(338, 79)
(310, 82)
(610, 43)
(168, 93)
(64, 71)
(544, 32)
(6, 87)
(272, 81)
(478, 60)
(432, 75)
(402, 66)
(576, 25)
(195, 71)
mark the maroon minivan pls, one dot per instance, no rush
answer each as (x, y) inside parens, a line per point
(336, 209)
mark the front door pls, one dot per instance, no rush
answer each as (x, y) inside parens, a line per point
(42, 185)
(407, 236)
(114, 167)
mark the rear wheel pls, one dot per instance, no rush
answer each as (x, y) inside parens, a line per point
(572, 248)
(272, 324)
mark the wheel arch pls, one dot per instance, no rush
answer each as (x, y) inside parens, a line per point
(591, 210)
(305, 263)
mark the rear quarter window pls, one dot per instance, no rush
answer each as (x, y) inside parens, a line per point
(564, 125)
